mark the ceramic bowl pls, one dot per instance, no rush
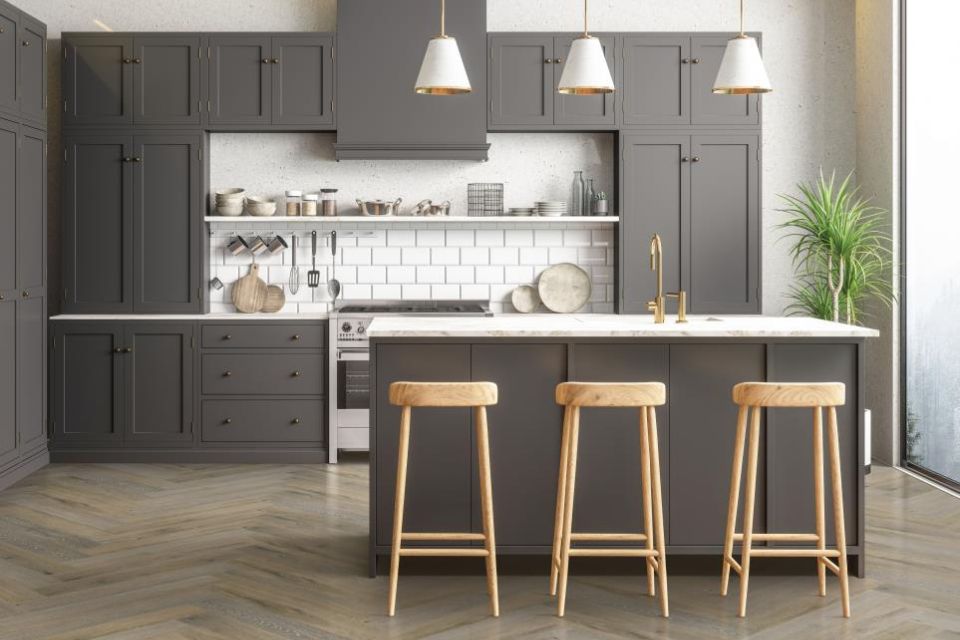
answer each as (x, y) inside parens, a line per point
(230, 209)
(229, 194)
(261, 209)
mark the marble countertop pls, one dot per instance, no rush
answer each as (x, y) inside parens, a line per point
(291, 317)
(612, 326)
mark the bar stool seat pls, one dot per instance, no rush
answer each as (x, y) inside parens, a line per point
(476, 395)
(752, 397)
(644, 396)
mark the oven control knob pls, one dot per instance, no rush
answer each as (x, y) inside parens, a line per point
(346, 327)
(361, 329)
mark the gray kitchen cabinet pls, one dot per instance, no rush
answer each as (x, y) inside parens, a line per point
(274, 373)
(97, 80)
(701, 194)
(33, 70)
(302, 80)
(9, 141)
(31, 374)
(9, 53)
(8, 382)
(441, 469)
(158, 384)
(166, 79)
(87, 384)
(240, 79)
(655, 80)
(523, 76)
(31, 228)
(526, 419)
(706, 107)
(131, 207)
(272, 421)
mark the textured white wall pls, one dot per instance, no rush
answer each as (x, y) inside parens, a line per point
(808, 47)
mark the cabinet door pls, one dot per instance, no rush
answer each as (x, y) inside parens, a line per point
(239, 77)
(655, 87)
(31, 232)
(524, 427)
(440, 463)
(158, 383)
(655, 187)
(593, 111)
(9, 52)
(721, 240)
(521, 80)
(608, 496)
(33, 70)
(98, 224)
(87, 384)
(9, 142)
(706, 106)
(702, 431)
(166, 80)
(8, 382)
(166, 223)
(31, 373)
(303, 80)
(98, 80)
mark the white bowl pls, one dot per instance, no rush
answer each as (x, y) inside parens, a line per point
(236, 192)
(261, 209)
(230, 210)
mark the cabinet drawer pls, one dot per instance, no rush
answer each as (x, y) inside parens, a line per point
(262, 420)
(297, 374)
(260, 336)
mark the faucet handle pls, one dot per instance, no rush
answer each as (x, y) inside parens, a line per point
(681, 297)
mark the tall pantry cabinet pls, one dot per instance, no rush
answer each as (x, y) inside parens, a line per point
(23, 242)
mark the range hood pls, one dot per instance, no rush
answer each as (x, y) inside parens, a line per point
(380, 45)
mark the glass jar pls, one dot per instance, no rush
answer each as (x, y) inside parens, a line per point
(309, 207)
(294, 202)
(328, 198)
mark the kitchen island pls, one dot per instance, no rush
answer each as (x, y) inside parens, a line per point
(527, 356)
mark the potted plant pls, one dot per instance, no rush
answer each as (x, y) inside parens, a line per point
(840, 251)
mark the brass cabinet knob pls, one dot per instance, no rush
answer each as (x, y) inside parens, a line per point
(557, 60)
(695, 159)
(137, 61)
(685, 61)
(26, 43)
(275, 61)
(127, 60)
(137, 159)
(128, 349)
(1, 296)
(695, 61)
(295, 421)
(296, 336)
(547, 60)
(117, 350)
(228, 421)
(296, 374)
(228, 337)
(265, 61)
(25, 294)
(685, 159)
(227, 374)
(127, 159)
(3, 30)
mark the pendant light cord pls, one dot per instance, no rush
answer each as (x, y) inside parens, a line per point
(443, 18)
(741, 18)
(585, 30)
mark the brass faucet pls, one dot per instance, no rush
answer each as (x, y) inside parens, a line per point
(658, 304)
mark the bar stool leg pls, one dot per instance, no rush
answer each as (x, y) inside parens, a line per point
(818, 497)
(647, 488)
(558, 513)
(836, 482)
(486, 505)
(398, 507)
(748, 506)
(569, 492)
(658, 509)
(734, 499)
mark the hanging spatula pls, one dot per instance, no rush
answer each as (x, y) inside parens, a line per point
(313, 276)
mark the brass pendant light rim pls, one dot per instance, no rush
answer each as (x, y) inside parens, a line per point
(736, 91)
(442, 91)
(584, 91)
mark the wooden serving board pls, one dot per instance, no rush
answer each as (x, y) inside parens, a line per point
(250, 292)
(275, 299)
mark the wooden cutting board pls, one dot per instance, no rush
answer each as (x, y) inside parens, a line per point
(275, 299)
(250, 292)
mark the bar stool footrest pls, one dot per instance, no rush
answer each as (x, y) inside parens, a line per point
(779, 537)
(449, 537)
(608, 537)
(776, 552)
(630, 552)
(444, 552)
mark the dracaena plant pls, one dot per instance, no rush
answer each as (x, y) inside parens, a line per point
(840, 250)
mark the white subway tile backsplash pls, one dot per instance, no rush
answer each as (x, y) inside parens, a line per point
(562, 254)
(474, 255)
(602, 307)
(445, 292)
(401, 238)
(601, 275)
(475, 292)
(344, 274)
(576, 238)
(489, 275)
(460, 275)
(416, 292)
(357, 292)
(431, 238)
(445, 255)
(518, 237)
(489, 238)
(386, 255)
(356, 255)
(404, 274)
(372, 275)
(371, 239)
(386, 292)
(504, 255)
(601, 238)
(518, 275)
(431, 275)
(591, 256)
(548, 237)
(460, 237)
(533, 255)
(415, 255)
(501, 292)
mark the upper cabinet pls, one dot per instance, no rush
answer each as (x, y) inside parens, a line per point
(524, 72)
(240, 71)
(668, 80)
(166, 80)
(23, 63)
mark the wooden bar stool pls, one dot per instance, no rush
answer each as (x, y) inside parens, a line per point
(644, 396)
(477, 395)
(756, 396)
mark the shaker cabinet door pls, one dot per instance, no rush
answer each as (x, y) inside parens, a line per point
(303, 80)
(590, 110)
(31, 235)
(521, 80)
(708, 107)
(8, 382)
(9, 54)
(655, 188)
(655, 80)
(98, 224)
(33, 70)
(158, 384)
(166, 80)
(166, 223)
(31, 373)
(721, 243)
(9, 181)
(98, 80)
(239, 79)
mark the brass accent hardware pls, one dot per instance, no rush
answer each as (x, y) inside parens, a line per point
(295, 421)
(296, 336)
(227, 374)
(228, 421)
(117, 350)
(695, 61)
(695, 159)
(3, 29)
(127, 159)
(137, 61)
(265, 61)
(228, 337)
(685, 159)
(548, 60)
(25, 294)
(557, 60)
(128, 349)
(658, 304)
(1, 296)
(296, 374)
(275, 61)
(137, 159)
(685, 61)
(681, 297)
(25, 43)
(127, 60)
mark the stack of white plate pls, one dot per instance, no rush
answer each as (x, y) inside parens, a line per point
(230, 202)
(552, 208)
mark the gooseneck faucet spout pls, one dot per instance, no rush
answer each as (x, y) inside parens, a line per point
(658, 304)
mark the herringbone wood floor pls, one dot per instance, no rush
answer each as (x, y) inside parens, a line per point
(126, 551)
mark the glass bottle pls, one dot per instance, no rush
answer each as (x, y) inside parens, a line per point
(577, 193)
(588, 199)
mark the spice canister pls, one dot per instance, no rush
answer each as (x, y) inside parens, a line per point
(329, 201)
(294, 198)
(309, 206)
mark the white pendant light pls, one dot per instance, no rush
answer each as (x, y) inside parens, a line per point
(442, 72)
(741, 70)
(586, 71)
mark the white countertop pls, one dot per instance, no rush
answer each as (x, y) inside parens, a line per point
(292, 317)
(612, 326)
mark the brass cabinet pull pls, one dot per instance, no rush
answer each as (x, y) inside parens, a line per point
(127, 60)
(547, 60)
(127, 159)
(137, 61)
(1, 296)
(696, 159)
(265, 61)
(228, 421)
(117, 350)
(25, 294)
(296, 374)
(227, 374)
(295, 421)
(3, 30)
(296, 336)
(26, 43)
(137, 159)
(128, 349)
(228, 337)
(685, 61)
(695, 61)
(275, 61)
(558, 60)
(684, 159)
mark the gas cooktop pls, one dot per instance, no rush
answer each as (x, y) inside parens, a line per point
(417, 307)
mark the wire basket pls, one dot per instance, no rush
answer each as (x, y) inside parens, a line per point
(485, 199)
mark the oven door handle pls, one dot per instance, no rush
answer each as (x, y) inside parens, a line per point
(355, 356)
